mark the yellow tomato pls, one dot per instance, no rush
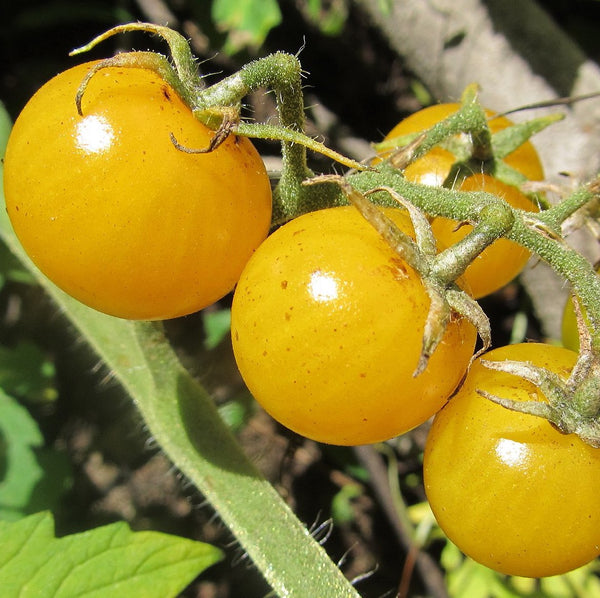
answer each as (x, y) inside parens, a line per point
(327, 329)
(503, 260)
(507, 488)
(524, 159)
(113, 213)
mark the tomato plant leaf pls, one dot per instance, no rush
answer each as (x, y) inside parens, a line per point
(217, 325)
(25, 372)
(580, 583)
(33, 477)
(110, 561)
(329, 19)
(468, 579)
(247, 21)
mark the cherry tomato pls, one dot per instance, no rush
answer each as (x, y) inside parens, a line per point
(503, 260)
(524, 159)
(327, 326)
(507, 488)
(117, 216)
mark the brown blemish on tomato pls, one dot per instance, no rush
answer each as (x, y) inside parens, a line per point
(398, 268)
(166, 93)
(284, 284)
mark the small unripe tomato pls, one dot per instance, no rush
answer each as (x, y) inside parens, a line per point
(327, 328)
(114, 213)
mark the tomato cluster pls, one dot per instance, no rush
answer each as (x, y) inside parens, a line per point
(507, 488)
(114, 213)
(328, 320)
(115, 205)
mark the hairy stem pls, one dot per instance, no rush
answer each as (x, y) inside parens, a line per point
(282, 74)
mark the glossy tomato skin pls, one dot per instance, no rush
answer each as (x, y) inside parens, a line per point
(327, 325)
(508, 489)
(114, 214)
(503, 260)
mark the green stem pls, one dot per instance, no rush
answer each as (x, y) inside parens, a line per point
(281, 73)
(434, 201)
(183, 60)
(471, 119)
(531, 230)
(494, 222)
(567, 263)
(557, 214)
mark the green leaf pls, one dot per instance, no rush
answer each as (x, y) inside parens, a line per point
(27, 373)
(236, 412)
(247, 21)
(468, 579)
(5, 127)
(342, 511)
(217, 324)
(107, 562)
(11, 268)
(34, 477)
(580, 583)
(329, 19)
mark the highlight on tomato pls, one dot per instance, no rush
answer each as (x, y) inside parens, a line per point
(114, 213)
(327, 330)
(509, 489)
